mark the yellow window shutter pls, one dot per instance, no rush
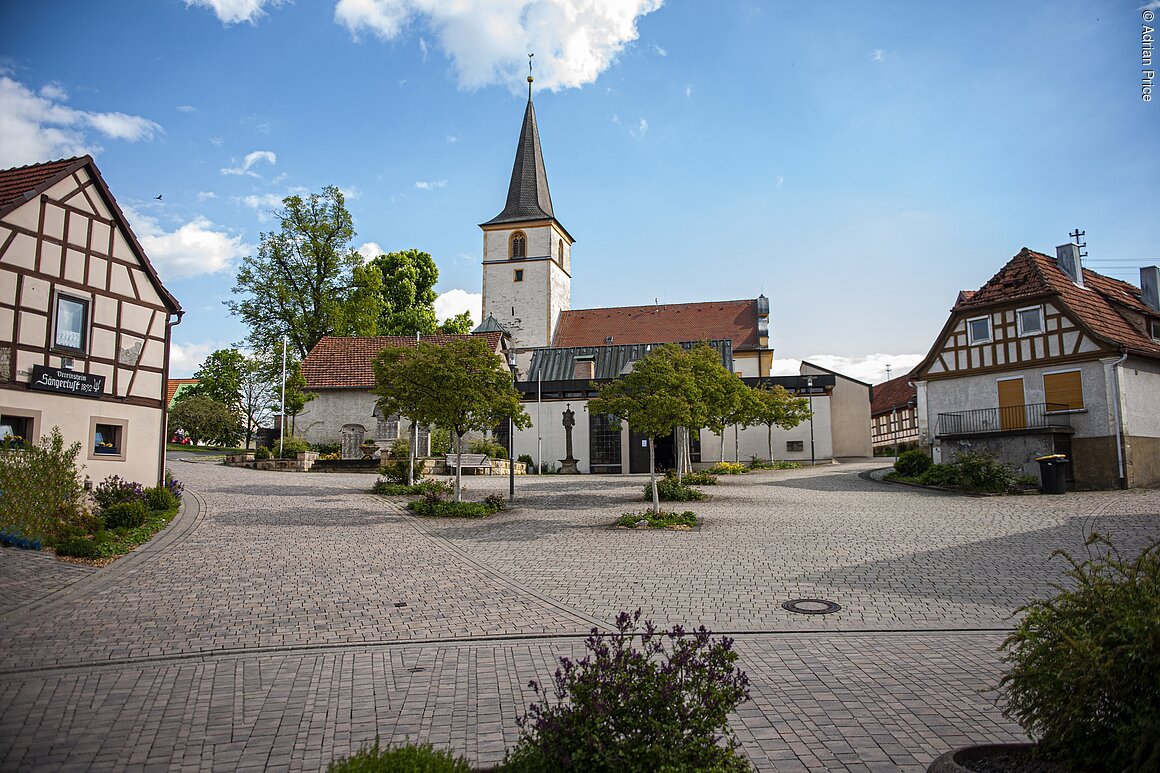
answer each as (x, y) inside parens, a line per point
(1063, 389)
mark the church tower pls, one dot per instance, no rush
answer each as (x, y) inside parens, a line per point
(527, 253)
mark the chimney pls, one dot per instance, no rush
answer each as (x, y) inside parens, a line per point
(584, 368)
(1150, 285)
(1067, 256)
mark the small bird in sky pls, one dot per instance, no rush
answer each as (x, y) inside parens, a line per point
(159, 195)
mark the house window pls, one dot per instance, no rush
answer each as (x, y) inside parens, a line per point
(519, 275)
(1063, 391)
(795, 445)
(604, 440)
(1030, 320)
(15, 431)
(71, 325)
(519, 245)
(979, 330)
(107, 438)
(1155, 325)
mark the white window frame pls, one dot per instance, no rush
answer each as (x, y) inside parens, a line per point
(1019, 321)
(971, 340)
(86, 324)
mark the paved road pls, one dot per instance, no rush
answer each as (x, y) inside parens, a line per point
(286, 619)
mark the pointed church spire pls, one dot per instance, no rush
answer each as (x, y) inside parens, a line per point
(528, 196)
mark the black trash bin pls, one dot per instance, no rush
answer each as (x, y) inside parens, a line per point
(1053, 474)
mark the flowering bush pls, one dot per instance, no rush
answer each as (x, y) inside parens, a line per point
(176, 487)
(727, 468)
(663, 706)
(115, 489)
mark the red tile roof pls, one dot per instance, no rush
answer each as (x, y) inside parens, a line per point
(712, 320)
(1097, 305)
(895, 393)
(346, 362)
(16, 183)
(174, 384)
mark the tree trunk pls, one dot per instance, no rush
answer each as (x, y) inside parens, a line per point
(679, 442)
(458, 463)
(411, 462)
(736, 444)
(722, 444)
(770, 427)
(652, 473)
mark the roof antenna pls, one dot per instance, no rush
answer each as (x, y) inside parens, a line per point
(530, 78)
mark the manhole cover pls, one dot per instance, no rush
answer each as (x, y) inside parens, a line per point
(811, 606)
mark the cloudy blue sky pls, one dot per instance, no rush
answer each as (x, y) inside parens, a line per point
(858, 162)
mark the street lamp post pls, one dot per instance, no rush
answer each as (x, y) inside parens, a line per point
(810, 394)
(512, 439)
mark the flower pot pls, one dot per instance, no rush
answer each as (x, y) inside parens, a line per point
(957, 761)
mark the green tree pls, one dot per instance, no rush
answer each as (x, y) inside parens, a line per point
(256, 395)
(775, 407)
(408, 292)
(306, 281)
(220, 377)
(658, 395)
(297, 395)
(461, 385)
(460, 324)
(721, 397)
(206, 419)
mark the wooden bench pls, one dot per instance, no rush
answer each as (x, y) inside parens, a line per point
(470, 462)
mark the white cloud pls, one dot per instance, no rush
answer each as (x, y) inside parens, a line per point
(350, 193)
(689, 91)
(252, 158)
(371, 250)
(198, 247)
(659, 51)
(185, 359)
(36, 127)
(217, 142)
(235, 11)
(423, 50)
(780, 182)
(615, 119)
(640, 130)
(452, 139)
(486, 41)
(430, 185)
(877, 55)
(456, 301)
(186, 109)
(206, 195)
(870, 368)
(1152, 6)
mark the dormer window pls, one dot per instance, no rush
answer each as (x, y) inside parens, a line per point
(1155, 326)
(518, 245)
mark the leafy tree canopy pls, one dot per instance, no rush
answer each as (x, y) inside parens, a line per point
(307, 281)
(408, 292)
(206, 419)
(220, 377)
(460, 324)
(461, 385)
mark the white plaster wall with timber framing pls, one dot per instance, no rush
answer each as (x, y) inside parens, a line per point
(974, 392)
(74, 294)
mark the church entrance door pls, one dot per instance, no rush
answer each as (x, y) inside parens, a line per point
(638, 452)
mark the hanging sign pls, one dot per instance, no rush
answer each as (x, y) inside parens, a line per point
(69, 382)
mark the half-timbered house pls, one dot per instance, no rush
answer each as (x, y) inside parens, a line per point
(1050, 357)
(84, 322)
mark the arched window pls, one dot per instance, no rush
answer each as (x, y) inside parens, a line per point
(519, 245)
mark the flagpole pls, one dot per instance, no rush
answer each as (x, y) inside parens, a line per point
(282, 432)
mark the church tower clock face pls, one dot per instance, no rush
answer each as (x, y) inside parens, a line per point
(527, 275)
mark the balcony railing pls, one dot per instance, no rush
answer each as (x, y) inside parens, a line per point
(1011, 418)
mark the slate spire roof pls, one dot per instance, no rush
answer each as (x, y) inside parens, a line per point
(528, 197)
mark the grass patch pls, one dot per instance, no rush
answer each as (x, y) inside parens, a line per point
(105, 544)
(661, 520)
(761, 464)
(419, 758)
(206, 450)
(433, 507)
(388, 488)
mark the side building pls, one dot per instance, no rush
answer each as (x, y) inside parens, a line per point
(1050, 357)
(85, 322)
(894, 414)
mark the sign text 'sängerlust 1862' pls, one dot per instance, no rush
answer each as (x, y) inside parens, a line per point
(69, 382)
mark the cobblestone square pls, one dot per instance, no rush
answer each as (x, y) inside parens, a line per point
(286, 619)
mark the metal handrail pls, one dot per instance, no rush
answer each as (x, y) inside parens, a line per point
(1009, 418)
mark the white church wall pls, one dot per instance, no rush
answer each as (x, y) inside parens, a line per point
(754, 441)
(554, 441)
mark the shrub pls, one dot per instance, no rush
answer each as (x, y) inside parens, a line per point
(496, 502)
(939, 475)
(669, 490)
(394, 469)
(114, 490)
(176, 487)
(727, 468)
(526, 459)
(699, 479)
(261, 453)
(489, 448)
(79, 547)
(911, 464)
(42, 495)
(983, 472)
(412, 758)
(160, 498)
(1085, 664)
(125, 515)
(659, 520)
(443, 509)
(384, 486)
(327, 449)
(663, 706)
(440, 442)
(292, 446)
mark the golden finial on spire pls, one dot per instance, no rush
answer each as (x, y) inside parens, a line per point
(530, 78)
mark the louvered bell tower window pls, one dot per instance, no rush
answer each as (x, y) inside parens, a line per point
(519, 245)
